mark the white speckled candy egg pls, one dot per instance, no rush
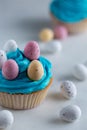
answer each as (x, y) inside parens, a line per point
(80, 72)
(68, 89)
(51, 47)
(70, 113)
(10, 46)
(6, 119)
(55, 46)
(3, 58)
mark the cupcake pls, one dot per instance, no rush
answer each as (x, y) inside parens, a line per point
(25, 77)
(71, 14)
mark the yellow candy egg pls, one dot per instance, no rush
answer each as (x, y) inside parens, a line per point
(46, 35)
(35, 70)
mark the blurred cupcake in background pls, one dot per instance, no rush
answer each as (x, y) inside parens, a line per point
(72, 14)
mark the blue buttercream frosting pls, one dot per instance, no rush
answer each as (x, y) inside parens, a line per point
(22, 84)
(69, 10)
(21, 60)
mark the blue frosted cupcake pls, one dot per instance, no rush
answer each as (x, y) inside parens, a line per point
(70, 13)
(25, 92)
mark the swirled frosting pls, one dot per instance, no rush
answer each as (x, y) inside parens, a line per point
(21, 60)
(22, 84)
(69, 10)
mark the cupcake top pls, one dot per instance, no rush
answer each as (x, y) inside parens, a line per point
(19, 73)
(69, 10)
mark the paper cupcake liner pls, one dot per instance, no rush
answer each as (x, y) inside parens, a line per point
(77, 27)
(23, 101)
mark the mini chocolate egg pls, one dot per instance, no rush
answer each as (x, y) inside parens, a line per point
(6, 119)
(32, 50)
(55, 46)
(10, 46)
(10, 69)
(46, 35)
(60, 32)
(3, 58)
(68, 89)
(35, 70)
(70, 113)
(80, 72)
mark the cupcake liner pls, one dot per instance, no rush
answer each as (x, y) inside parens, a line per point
(77, 27)
(23, 101)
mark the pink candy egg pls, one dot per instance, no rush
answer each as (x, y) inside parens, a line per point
(60, 32)
(10, 69)
(32, 50)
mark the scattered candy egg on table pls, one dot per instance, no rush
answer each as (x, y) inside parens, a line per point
(51, 47)
(3, 58)
(10, 46)
(60, 32)
(70, 113)
(80, 72)
(32, 50)
(35, 70)
(46, 35)
(68, 89)
(10, 69)
(6, 119)
(55, 46)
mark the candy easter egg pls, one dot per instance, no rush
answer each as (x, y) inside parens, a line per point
(60, 32)
(10, 46)
(3, 58)
(51, 47)
(10, 69)
(68, 89)
(6, 119)
(70, 113)
(35, 70)
(32, 50)
(46, 35)
(80, 72)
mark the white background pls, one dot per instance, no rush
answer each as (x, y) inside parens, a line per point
(22, 20)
